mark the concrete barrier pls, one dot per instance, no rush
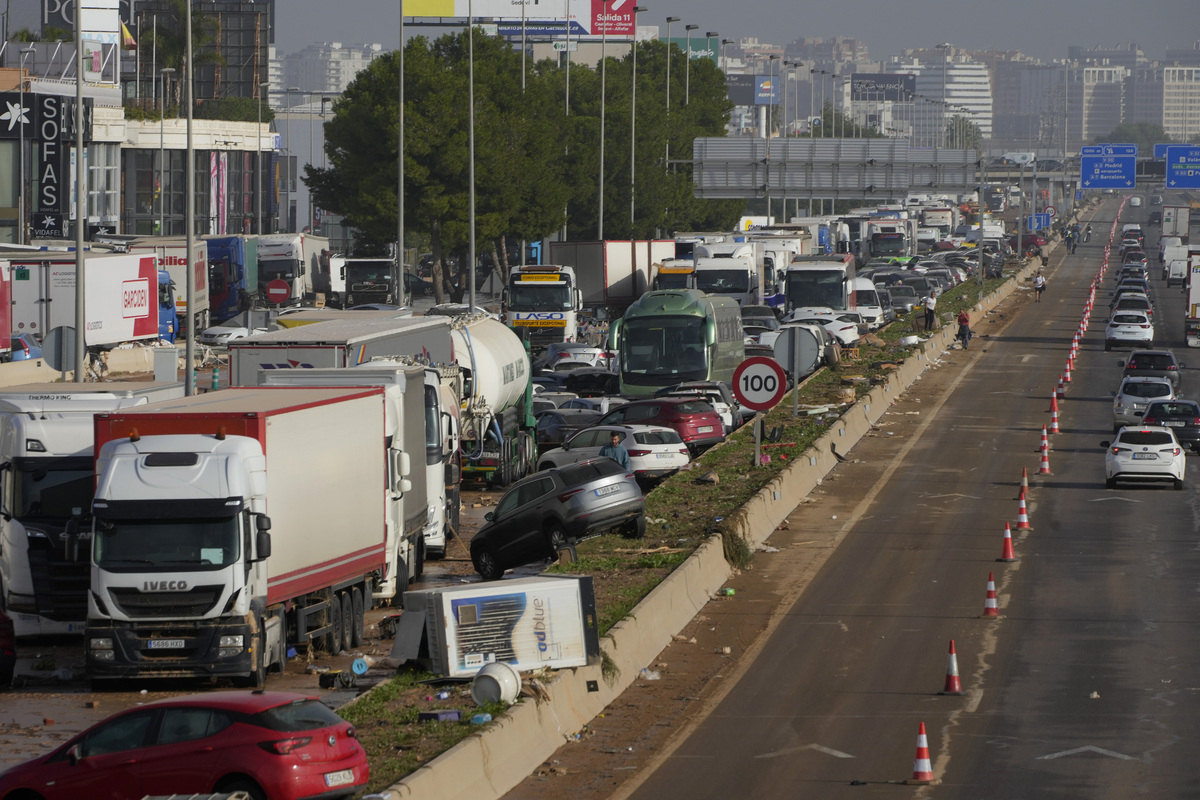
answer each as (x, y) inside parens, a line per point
(493, 761)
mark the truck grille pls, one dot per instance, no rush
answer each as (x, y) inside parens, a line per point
(195, 602)
(60, 586)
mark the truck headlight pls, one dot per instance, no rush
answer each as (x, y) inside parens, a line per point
(228, 652)
(104, 655)
(231, 641)
(101, 644)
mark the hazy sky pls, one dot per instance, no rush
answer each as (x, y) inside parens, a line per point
(1040, 28)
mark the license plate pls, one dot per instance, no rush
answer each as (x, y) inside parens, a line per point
(704, 429)
(1174, 423)
(341, 778)
(165, 644)
(603, 490)
(672, 455)
(1145, 456)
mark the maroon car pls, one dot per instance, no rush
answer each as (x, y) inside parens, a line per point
(275, 745)
(696, 421)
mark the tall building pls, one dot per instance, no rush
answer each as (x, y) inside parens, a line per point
(1095, 103)
(946, 75)
(1181, 102)
(327, 67)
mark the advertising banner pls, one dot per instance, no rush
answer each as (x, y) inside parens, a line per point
(881, 86)
(765, 90)
(613, 18)
(702, 47)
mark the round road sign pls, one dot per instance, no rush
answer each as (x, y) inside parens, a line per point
(1051, 211)
(759, 383)
(278, 291)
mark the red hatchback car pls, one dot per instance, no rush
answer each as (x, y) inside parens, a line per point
(696, 421)
(275, 745)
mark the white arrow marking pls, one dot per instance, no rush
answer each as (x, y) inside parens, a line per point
(1122, 499)
(964, 496)
(829, 751)
(1086, 748)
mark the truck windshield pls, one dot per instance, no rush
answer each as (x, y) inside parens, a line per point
(723, 281)
(525, 296)
(181, 543)
(812, 287)
(358, 275)
(673, 280)
(54, 488)
(665, 346)
(284, 269)
(887, 245)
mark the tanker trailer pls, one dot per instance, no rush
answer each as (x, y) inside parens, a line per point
(492, 374)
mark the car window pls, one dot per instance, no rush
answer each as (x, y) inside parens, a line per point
(1174, 409)
(577, 474)
(1129, 319)
(1145, 438)
(188, 724)
(300, 715)
(124, 733)
(1146, 389)
(642, 412)
(534, 490)
(507, 504)
(694, 407)
(657, 437)
(587, 438)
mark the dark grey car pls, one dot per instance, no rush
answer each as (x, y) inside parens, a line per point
(1153, 364)
(555, 508)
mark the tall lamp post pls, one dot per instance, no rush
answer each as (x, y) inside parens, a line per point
(944, 48)
(21, 147)
(288, 158)
(162, 184)
(603, 93)
(725, 54)
(669, 21)
(633, 128)
(258, 189)
(687, 74)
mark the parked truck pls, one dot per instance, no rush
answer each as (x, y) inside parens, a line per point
(232, 275)
(820, 281)
(291, 266)
(230, 525)
(416, 511)
(366, 280)
(126, 296)
(340, 342)
(171, 252)
(730, 270)
(542, 301)
(611, 274)
(46, 449)
(1177, 221)
(1191, 322)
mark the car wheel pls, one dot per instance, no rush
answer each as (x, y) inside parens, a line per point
(1179, 484)
(484, 560)
(358, 629)
(556, 538)
(252, 789)
(1110, 483)
(635, 528)
(347, 636)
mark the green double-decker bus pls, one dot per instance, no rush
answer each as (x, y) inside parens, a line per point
(668, 337)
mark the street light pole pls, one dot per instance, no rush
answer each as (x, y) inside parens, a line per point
(471, 151)
(288, 159)
(258, 188)
(669, 21)
(687, 75)
(162, 184)
(21, 148)
(603, 78)
(633, 128)
(944, 47)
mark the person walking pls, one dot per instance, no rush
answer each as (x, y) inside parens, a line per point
(964, 328)
(1087, 233)
(616, 451)
(1039, 286)
(930, 309)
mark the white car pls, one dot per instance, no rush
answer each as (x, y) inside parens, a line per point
(1144, 453)
(654, 451)
(602, 404)
(845, 331)
(575, 352)
(1135, 202)
(1132, 328)
(1135, 393)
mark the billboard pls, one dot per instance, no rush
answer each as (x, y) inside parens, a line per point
(883, 86)
(702, 47)
(741, 89)
(764, 90)
(586, 17)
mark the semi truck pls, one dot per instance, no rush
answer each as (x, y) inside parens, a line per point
(1177, 221)
(232, 275)
(611, 274)
(1191, 322)
(291, 266)
(340, 342)
(359, 281)
(542, 301)
(46, 449)
(673, 273)
(730, 270)
(227, 526)
(416, 417)
(126, 296)
(171, 252)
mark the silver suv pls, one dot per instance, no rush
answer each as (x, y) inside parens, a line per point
(555, 508)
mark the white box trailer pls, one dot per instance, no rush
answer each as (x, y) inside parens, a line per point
(612, 274)
(531, 623)
(343, 342)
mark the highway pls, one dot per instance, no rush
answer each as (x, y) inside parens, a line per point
(1084, 688)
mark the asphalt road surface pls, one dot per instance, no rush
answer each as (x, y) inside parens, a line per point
(1085, 687)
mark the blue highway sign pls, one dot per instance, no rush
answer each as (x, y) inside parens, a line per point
(1183, 167)
(1109, 150)
(1107, 172)
(1036, 222)
(1160, 151)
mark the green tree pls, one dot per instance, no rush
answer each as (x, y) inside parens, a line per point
(169, 40)
(1144, 134)
(962, 133)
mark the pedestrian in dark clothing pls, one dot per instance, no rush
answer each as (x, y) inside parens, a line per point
(964, 328)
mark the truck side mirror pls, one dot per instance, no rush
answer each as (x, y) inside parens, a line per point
(262, 538)
(71, 543)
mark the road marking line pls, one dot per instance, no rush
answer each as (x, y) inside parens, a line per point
(1085, 749)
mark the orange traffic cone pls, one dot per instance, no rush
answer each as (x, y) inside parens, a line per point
(990, 609)
(1007, 555)
(1045, 468)
(1054, 420)
(922, 769)
(1022, 513)
(1053, 401)
(1061, 393)
(1045, 445)
(953, 683)
(1067, 372)
(1024, 480)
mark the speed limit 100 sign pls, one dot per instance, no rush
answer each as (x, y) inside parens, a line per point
(759, 383)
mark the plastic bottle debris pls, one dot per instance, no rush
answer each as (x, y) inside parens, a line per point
(480, 719)
(443, 696)
(651, 674)
(727, 592)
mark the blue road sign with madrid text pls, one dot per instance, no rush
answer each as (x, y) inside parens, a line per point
(1106, 171)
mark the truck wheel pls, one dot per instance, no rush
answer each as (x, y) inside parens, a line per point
(358, 628)
(420, 556)
(333, 639)
(347, 621)
(257, 678)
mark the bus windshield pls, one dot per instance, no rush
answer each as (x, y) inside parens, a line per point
(531, 296)
(816, 288)
(658, 346)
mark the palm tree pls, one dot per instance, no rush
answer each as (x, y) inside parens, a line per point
(170, 41)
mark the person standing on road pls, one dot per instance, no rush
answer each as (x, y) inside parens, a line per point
(616, 451)
(1087, 233)
(964, 328)
(930, 309)
(1039, 286)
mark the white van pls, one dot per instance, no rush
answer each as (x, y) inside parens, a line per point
(866, 302)
(1173, 252)
(1177, 271)
(1167, 241)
